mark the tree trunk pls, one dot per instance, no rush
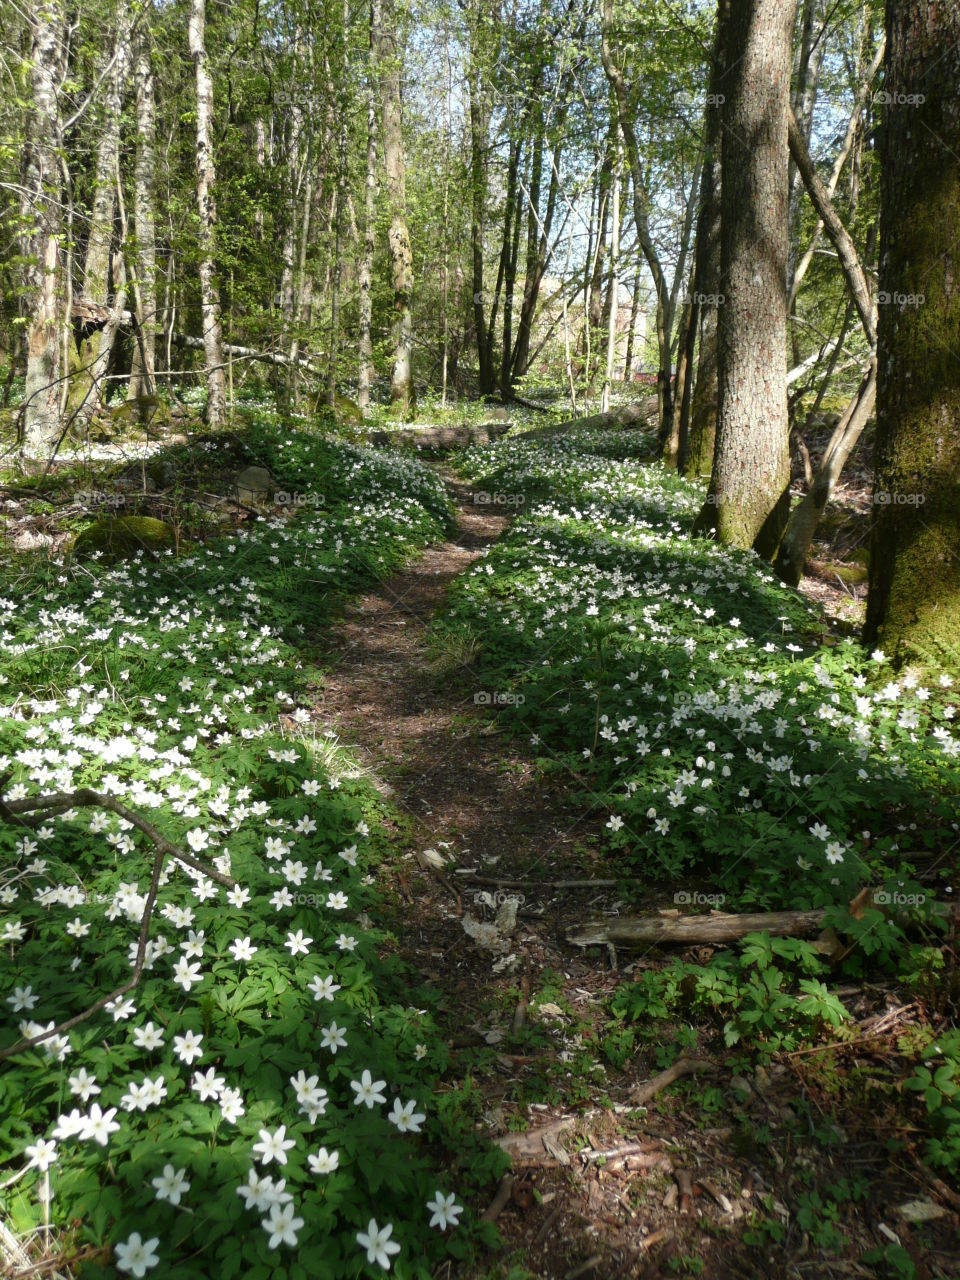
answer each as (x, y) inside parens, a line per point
(89, 362)
(206, 231)
(913, 605)
(863, 94)
(384, 35)
(42, 220)
(634, 312)
(749, 496)
(365, 269)
(703, 414)
(664, 316)
(805, 517)
(614, 282)
(141, 378)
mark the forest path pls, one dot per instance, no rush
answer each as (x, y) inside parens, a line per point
(408, 714)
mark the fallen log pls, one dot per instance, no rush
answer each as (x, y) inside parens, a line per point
(627, 931)
(247, 353)
(439, 437)
(671, 928)
(627, 415)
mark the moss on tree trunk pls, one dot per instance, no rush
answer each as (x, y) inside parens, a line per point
(913, 608)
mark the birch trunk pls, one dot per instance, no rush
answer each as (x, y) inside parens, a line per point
(384, 24)
(145, 257)
(365, 268)
(207, 219)
(41, 213)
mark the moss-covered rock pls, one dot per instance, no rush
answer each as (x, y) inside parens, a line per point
(123, 536)
(347, 410)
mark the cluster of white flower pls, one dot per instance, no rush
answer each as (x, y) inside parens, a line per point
(111, 715)
(685, 707)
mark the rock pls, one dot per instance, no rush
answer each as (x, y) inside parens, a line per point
(136, 479)
(347, 410)
(123, 536)
(254, 485)
(149, 411)
(30, 540)
(922, 1210)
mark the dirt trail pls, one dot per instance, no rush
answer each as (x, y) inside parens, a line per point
(410, 717)
(410, 714)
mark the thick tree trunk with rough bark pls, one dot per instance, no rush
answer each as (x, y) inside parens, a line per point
(749, 497)
(207, 211)
(145, 257)
(384, 34)
(89, 361)
(913, 606)
(42, 219)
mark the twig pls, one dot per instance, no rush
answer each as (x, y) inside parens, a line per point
(682, 1067)
(87, 798)
(520, 1012)
(499, 1201)
(590, 1265)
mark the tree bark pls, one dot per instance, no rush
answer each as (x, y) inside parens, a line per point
(141, 376)
(703, 414)
(863, 94)
(614, 281)
(89, 361)
(384, 35)
(41, 216)
(665, 306)
(913, 604)
(207, 214)
(365, 269)
(749, 496)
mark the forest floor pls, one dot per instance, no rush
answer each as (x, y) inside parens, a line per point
(794, 1161)
(698, 1183)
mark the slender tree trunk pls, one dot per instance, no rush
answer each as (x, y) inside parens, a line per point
(385, 37)
(92, 356)
(614, 283)
(604, 189)
(749, 497)
(688, 340)
(206, 231)
(913, 605)
(846, 146)
(141, 378)
(445, 265)
(805, 517)
(365, 270)
(665, 306)
(42, 219)
(634, 312)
